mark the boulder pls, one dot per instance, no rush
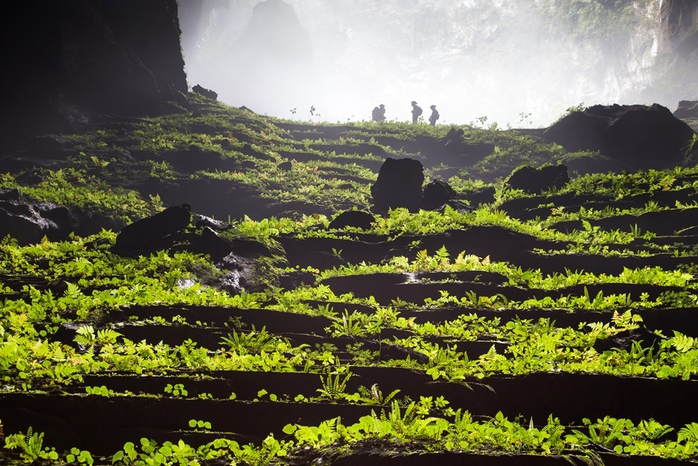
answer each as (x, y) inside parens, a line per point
(150, 232)
(9, 194)
(455, 144)
(285, 166)
(353, 218)
(436, 194)
(399, 184)
(641, 136)
(202, 221)
(24, 223)
(536, 180)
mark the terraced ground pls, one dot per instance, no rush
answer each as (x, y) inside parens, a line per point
(526, 329)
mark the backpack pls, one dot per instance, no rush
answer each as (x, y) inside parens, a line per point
(417, 110)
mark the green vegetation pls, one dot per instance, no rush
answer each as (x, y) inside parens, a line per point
(431, 295)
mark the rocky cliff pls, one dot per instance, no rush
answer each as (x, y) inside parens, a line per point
(679, 26)
(70, 59)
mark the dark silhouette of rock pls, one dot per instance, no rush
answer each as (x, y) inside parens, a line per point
(24, 223)
(71, 59)
(687, 109)
(208, 93)
(353, 218)
(202, 221)
(150, 232)
(399, 184)
(455, 144)
(9, 194)
(436, 194)
(624, 340)
(61, 216)
(641, 136)
(536, 180)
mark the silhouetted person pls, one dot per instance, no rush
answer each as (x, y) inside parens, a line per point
(416, 111)
(434, 115)
(378, 113)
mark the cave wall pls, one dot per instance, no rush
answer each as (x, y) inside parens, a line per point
(68, 60)
(679, 26)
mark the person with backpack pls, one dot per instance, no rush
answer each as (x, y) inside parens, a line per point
(378, 113)
(416, 112)
(434, 115)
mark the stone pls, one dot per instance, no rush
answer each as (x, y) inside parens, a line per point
(536, 180)
(24, 223)
(149, 233)
(9, 194)
(202, 221)
(436, 194)
(353, 218)
(638, 135)
(399, 184)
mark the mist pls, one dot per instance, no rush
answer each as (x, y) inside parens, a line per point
(518, 63)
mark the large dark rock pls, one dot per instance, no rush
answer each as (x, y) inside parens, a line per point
(436, 194)
(24, 223)
(28, 223)
(353, 218)
(536, 180)
(640, 136)
(399, 184)
(70, 59)
(150, 232)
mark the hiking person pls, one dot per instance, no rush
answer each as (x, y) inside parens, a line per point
(378, 113)
(434, 115)
(416, 111)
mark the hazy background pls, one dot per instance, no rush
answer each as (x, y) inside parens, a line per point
(517, 62)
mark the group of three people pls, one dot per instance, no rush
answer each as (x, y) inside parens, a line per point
(379, 113)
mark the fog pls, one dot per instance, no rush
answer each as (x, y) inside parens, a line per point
(518, 63)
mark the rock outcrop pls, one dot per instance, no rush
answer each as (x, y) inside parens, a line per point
(687, 109)
(536, 180)
(353, 218)
(436, 194)
(152, 232)
(69, 59)
(679, 27)
(637, 135)
(399, 184)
